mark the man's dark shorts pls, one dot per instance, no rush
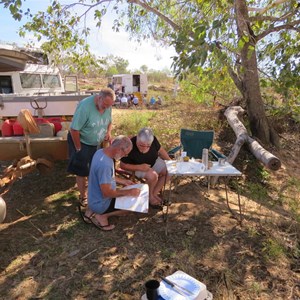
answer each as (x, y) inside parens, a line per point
(111, 207)
(80, 162)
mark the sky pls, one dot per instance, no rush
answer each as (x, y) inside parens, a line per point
(103, 41)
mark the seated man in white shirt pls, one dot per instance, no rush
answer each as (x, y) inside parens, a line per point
(124, 101)
(146, 159)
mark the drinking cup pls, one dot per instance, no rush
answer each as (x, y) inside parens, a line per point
(152, 289)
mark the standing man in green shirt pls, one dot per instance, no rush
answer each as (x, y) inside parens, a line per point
(91, 125)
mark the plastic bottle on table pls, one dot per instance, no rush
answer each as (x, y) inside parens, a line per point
(205, 158)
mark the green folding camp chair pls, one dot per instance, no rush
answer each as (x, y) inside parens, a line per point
(193, 142)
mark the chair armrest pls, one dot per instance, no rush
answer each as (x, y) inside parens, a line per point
(172, 152)
(216, 154)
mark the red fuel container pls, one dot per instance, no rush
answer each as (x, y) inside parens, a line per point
(17, 128)
(7, 128)
(56, 122)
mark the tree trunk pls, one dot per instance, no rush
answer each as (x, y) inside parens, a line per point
(259, 124)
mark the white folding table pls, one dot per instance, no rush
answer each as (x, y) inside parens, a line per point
(225, 171)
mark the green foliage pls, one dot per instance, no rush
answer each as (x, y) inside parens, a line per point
(281, 108)
(88, 87)
(292, 187)
(257, 192)
(114, 65)
(209, 86)
(272, 249)
(144, 69)
(131, 124)
(157, 76)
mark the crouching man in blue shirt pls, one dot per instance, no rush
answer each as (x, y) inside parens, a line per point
(102, 189)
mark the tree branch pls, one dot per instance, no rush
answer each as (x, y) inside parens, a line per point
(156, 12)
(265, 9)
(90, 6)
(289, 26)
(274, 19)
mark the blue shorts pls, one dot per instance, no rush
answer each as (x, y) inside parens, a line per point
(80, 162)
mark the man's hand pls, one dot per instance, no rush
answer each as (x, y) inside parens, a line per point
(144, 167)
(134, 192)
(127, 182)
(107, 137)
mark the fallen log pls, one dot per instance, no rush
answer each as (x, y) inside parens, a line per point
(268, 159)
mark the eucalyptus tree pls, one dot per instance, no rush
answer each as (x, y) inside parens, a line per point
(242, 36)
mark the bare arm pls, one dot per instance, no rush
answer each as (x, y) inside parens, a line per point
(75, 134)
(163, 154)
(130, 167)
(108, 133)
(124, 181)
(108, 192)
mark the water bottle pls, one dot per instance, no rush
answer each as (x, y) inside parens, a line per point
(205, 158)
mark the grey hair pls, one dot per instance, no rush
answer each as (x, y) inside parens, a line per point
(107, 92)
(145, 135)
(122, 141)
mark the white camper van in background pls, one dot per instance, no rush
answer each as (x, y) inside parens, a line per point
(130, 83)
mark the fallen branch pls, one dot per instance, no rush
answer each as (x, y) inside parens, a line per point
(268, 159)
(232, 114)
(85, 256)
(37, 228)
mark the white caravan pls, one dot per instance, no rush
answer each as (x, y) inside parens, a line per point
(130, 83)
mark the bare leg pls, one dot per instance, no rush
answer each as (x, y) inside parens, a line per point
(151, 179)
(82, 186)
(161, 182)
(103, 219)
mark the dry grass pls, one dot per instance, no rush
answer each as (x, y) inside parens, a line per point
(47, 252)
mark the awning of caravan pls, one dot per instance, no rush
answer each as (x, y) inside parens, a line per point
(12, 60)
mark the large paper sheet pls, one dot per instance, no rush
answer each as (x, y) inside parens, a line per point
(138, 204)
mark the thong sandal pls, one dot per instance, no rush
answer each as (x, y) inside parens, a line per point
(85, 219)
(156, 206)
(83, 201)
(99, 226)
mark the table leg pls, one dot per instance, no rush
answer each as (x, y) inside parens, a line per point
(166, 212)
(240, 216)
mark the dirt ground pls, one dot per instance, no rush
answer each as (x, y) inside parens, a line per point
(47, 252)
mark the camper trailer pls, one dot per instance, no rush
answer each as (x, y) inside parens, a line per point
(130, 83)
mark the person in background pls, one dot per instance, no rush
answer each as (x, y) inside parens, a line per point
(159, 101)
(118, 100)
(91, 125)
(102, 189)
(146, 160)
(152, 101)
(145, 100)
(135, 101)
(124, 101)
